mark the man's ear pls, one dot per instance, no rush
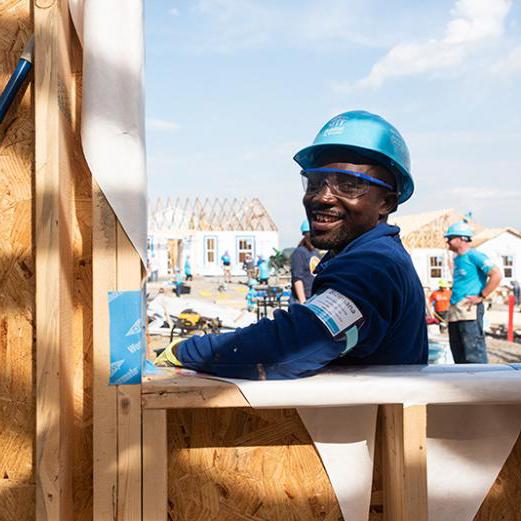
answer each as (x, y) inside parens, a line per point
(389, 203)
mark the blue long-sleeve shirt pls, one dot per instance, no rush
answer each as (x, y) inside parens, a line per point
(367, 308)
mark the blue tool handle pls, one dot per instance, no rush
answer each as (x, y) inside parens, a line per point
(16, 80)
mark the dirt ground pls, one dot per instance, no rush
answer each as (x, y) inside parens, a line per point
(234, 296)
(503, 352)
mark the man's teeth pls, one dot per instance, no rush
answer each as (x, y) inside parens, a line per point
(321, 218)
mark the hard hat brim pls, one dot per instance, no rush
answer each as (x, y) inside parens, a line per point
(309, 157)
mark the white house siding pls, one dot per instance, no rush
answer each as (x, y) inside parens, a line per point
(262, 242)
(505, 244)
(421, 258)
(195, 245)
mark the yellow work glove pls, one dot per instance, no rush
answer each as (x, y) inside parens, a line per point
(168, 357)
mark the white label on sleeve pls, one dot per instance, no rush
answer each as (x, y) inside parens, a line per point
(336, 311)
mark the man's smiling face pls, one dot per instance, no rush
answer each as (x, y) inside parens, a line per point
(336, 220)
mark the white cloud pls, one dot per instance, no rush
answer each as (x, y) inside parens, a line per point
(510, 65)
(473, 22)
(235, 25)
(174, 11)
(161, 124)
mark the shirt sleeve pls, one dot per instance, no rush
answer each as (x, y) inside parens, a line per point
(304, 339)
(298, 263)
(375, 287)
(482, 262)
(291, 345)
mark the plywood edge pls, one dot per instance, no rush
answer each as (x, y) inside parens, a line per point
(170, 390)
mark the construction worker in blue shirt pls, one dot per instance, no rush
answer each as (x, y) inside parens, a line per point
(264, 270)
(367, 305)
(475, 278)
(304, 260)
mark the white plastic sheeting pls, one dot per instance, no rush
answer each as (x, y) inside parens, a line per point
(467, 446)
(113, 103)
(344, 438)
(469, 436)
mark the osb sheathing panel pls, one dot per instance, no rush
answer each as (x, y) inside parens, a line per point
(503, 502)
(231, 464)
(242, 464)
(17, 398)
(17, 287)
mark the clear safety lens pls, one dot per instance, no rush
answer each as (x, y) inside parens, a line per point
(343, 185)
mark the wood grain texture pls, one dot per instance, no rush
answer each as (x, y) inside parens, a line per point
(105, 442)
(53, 241)
(404, 468)
(129, 399)
(171, 390)
(17, 278)
(155, 466)
(233, 464)
(504, 498)
(117, 409)
(81, 349)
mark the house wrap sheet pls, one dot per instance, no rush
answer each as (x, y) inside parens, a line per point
(467, 444)
(113, 107)
(469, 436)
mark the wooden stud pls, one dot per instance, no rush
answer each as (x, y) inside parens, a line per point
(117, 409)
(129, 278)
(155, 466)
(105, 442)
(53, 239)
(404, 465)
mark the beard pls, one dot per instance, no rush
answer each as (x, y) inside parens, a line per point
(335, 240)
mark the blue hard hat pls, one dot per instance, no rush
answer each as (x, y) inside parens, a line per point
(304, 227)
(368, 135)
(459, 229)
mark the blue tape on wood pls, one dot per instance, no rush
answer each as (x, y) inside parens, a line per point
(127, 336)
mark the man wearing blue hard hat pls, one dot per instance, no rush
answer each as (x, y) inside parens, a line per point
(304, 260)
(367, 305)
(475, 278)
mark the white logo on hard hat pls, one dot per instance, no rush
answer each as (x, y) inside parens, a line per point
(335, 126)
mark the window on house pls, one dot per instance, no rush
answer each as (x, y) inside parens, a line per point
(436, 266)
(508, 265)
(244, 246)
(210, 248)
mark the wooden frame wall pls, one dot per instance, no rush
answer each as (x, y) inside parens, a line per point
(82, 253)
(117, 409)
(88, 456)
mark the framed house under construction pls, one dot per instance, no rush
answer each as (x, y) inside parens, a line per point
(422, 236)
(204, 231)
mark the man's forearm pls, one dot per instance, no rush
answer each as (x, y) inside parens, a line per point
(494, 278)
(299, 290)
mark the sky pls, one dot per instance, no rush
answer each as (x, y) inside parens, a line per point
(234, 88)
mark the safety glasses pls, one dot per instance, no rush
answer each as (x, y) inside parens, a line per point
(344, 183)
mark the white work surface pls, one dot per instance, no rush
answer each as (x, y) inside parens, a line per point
(410, 385)
(473, 421)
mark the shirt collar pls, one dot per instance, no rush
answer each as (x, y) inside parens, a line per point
(380, 230)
